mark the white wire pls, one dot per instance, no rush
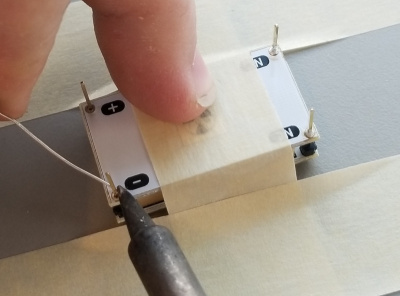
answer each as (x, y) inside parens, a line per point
(55, 153)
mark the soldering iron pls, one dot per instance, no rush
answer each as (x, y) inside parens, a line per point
(155, 254)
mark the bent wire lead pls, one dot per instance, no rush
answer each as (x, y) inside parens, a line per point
(41, 143)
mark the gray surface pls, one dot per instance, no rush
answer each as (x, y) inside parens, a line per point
(352, 84)
(43, 201)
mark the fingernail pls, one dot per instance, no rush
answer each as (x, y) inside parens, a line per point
(205, 89)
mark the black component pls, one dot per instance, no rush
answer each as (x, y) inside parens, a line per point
(155, 254)
(117, 210)
(308, 149)
(136, 181)
(112, 107)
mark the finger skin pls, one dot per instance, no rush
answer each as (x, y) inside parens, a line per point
(150, 50)
(27, 34)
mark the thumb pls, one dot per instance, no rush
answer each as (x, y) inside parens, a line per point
(150, 50)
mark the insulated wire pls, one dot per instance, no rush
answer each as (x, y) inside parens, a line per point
(55, 153)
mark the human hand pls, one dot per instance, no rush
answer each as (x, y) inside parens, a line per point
(149, 48)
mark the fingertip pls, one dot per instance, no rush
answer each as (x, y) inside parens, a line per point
(177, 96)
(12, 111)
(153, 60)
(203, 83)
(183, 96)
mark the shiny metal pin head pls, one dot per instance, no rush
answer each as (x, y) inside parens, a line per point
(274, 49)
(310, 132)
(115, 192)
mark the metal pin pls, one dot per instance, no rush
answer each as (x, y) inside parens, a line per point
(274, 49)
(89, 108)
(310, 133)
(115, 193)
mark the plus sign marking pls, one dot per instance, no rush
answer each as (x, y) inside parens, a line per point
(113, 107)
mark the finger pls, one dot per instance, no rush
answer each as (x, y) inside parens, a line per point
(150, 51)
(27, 34)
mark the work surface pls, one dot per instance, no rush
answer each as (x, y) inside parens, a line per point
(304, 238)
(352, 84)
